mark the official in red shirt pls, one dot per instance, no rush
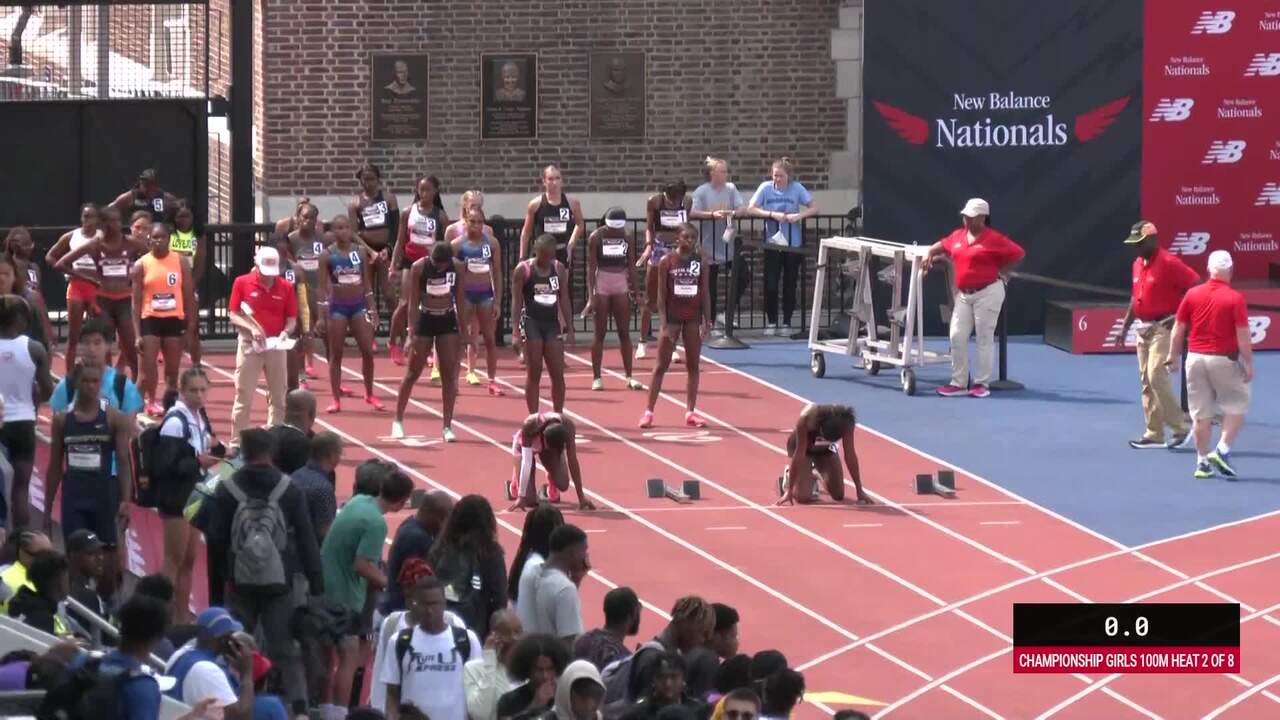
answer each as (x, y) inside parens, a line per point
(1215, 322)
(1160, 279)
(980, 255)
(264, 307)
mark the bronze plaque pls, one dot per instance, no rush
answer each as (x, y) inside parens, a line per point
(398, 96)
(617, 94)
(508, 96)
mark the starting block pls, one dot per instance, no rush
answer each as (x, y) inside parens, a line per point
(944, 485)
(689, 490)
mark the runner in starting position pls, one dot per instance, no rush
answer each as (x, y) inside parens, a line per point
(814, 452)
(551, 439)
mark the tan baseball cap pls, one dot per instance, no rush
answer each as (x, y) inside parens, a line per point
(1141, 231)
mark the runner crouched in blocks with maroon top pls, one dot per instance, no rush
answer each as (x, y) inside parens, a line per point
(813, 446)
(551, 439)
(684, 307)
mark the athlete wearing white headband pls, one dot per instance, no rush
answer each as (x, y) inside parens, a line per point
(611, 287)
(551, 439)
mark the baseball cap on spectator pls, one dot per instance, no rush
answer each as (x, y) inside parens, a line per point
(216, 622)
(261, 666)
(84, 541)
(1220, 261)
(268, 261)
(1141, 231)
(976, 207)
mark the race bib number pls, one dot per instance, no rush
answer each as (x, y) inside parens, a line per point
(84, 459)
(349, 279)
(695, 268)
(555, 227)
(288, 275)
(309, 264)
(440, 286)
(683, 290)
(555, 283)
(486, 252)
(478, 266)
(547, 299)
(33, 276)
(85, 263)
(614, 251)
(671, 218)
(375, 215)
(172, 279)
(116, 270)
(163, 302)
(355, 258)
(317, 247)
(158, 204)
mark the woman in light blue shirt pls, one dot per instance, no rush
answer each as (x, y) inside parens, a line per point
(784, 203)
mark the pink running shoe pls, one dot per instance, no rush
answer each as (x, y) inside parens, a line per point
(952, 391)
(334, 407)
(979, 391)
(374, 402)
(553, 494)
(155, 409)
(694, 420)
(495, 389)
(310, 371)
(397, 355)
(343, 390)
(646, 420)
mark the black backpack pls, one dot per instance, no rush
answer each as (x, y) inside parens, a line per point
(464, 590)
(461, 644)
(144, 457)
(88, 692)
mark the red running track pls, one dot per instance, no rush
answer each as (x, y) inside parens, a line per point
(905, 606)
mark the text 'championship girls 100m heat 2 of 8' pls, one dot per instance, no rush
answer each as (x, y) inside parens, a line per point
(1126, 638)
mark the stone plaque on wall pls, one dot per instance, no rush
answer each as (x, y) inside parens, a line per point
(508, 96)
(617, 91)
(398, 96)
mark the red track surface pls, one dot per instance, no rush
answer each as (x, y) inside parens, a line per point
(906, 604)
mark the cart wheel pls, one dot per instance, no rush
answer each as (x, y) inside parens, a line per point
(818, 365)
(872, 367)
(908, 381)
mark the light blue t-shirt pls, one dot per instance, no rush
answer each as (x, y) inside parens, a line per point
(787, 200)
(59, 401)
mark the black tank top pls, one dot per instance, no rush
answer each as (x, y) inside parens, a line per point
(89, 448)
(438, 288)
(159, 209)
(374, 215)
(542, 293)
(556, 220)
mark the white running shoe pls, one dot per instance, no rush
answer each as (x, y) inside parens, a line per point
(640, 351)
(447, 434)
(634, 384)
(597, 384)
(397, 430)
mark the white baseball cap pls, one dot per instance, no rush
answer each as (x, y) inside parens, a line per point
(268, 261)
(976, 207)
(1220, 261)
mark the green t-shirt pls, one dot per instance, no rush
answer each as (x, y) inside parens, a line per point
(358, 531)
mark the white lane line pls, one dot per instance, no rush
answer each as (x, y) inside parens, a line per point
(595, 530)
(1000, 522)
(728, 527)
(863, 525)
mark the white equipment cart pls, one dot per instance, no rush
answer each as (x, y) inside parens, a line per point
(904, 347)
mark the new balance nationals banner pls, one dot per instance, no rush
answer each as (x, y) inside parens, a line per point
(1040, 108)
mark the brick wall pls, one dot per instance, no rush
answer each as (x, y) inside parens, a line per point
(744, 79)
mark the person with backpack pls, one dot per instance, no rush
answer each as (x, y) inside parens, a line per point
(259, 535)
(211, 667)
(426, 670)
(631, 678)
(469, 561)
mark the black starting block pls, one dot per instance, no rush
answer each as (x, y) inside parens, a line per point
(944, 485)
(689, 490)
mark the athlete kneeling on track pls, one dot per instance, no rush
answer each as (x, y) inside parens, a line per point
(551, 439)
(812, 446)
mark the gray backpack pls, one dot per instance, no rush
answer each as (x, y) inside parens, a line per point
(258, 537)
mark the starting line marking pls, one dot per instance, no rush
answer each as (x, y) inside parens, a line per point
(1000, 522)
(697, 436)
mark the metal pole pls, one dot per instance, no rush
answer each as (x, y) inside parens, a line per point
(242, 199)
(74, 44)
(104, 52)
(727, 341)
(1004, 383)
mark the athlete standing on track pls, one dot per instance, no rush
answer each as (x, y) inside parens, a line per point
(13, 281)
(553, 213)
(665, 213)
(19, 245)
(420, 229)
(474, 199)
(611, 285)
(24, 383)
(306, 244)
(434, 295)
(286, 226)
(684, 312)
(163, 294)
(540, 299)
(147, 195)
(82, 283)
(376, 216)
(188, 241)
(551, 439)
(481, 292)
(814, 447)
(346, 302)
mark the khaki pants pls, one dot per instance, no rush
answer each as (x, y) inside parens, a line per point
(1160, 406)
(249, 366)
(1215, 383)
(978, 311)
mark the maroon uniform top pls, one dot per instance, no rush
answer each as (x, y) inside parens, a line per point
(684, 286)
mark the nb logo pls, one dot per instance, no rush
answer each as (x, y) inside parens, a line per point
(1258, 325)
(1172, 110)
(1224, 152)
(1213, 22)
(1189, 243)
(1113, 336)
(1270, 195)
(1263, 65)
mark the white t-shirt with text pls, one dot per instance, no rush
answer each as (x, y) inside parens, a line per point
(432, 674)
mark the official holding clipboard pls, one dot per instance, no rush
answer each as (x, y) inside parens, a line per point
(265, 308)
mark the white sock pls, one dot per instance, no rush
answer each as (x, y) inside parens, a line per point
(1201, 458)
(1223, 448)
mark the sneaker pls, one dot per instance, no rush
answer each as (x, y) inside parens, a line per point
(720, 319)
(952, 391)
(397, 430)
(155, 409)
(553, 494)
(1146, 443)
(1179, 441)
(1222, 461)
(435, 373)
(495, 390)
(472, 378)
(1204, 470)
(343, 390)
(303, 384)
(397, 355)
(979, 391)
(770, 330)
(634, 384)
(640, 351)
(334, 407)
(694, 420)
(510, 488)
(597, 384)
(310, 371)
(374, 402)
(447, 434)
(646, 420)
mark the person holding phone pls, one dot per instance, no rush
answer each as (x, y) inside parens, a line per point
(204, 670)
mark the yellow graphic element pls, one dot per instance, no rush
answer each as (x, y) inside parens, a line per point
(839, 698)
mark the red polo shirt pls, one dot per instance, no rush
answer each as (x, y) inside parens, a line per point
(1213, 312)
(978, 263)
(272, 306)
(1158, 285)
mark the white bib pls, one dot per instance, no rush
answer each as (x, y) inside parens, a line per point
(375, 215)
(671, 218)
(555, 227)
(349, 279)
(86, 263)
(478, 266)
(309, 264)
(618, 250)
(686, 290)
(438, 288)
(116, 270)
(84, 460)
(545, 298)
(164, 302)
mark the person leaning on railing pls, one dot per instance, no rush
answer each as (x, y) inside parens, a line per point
(715, 204)
(784, 203)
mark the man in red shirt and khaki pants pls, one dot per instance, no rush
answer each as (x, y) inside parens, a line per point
(264, 308)
(1214, 320)
(1160, 279)
(980, 255)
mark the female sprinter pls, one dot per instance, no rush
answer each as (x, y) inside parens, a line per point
(611, 284)
(82, 285)
(471, 199)
(19, 245)
(114, 255)
(376, 216)
(13, 281)
(540, 298)
(684, 311)
(481, 290)
(285, 226)
(665, 213)
(434, 295)
(163, 294)
(346, 302)
(813, 449)
(306, 244)
(553, 213)
(188, 241)
(420, 228)
(551, 439)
